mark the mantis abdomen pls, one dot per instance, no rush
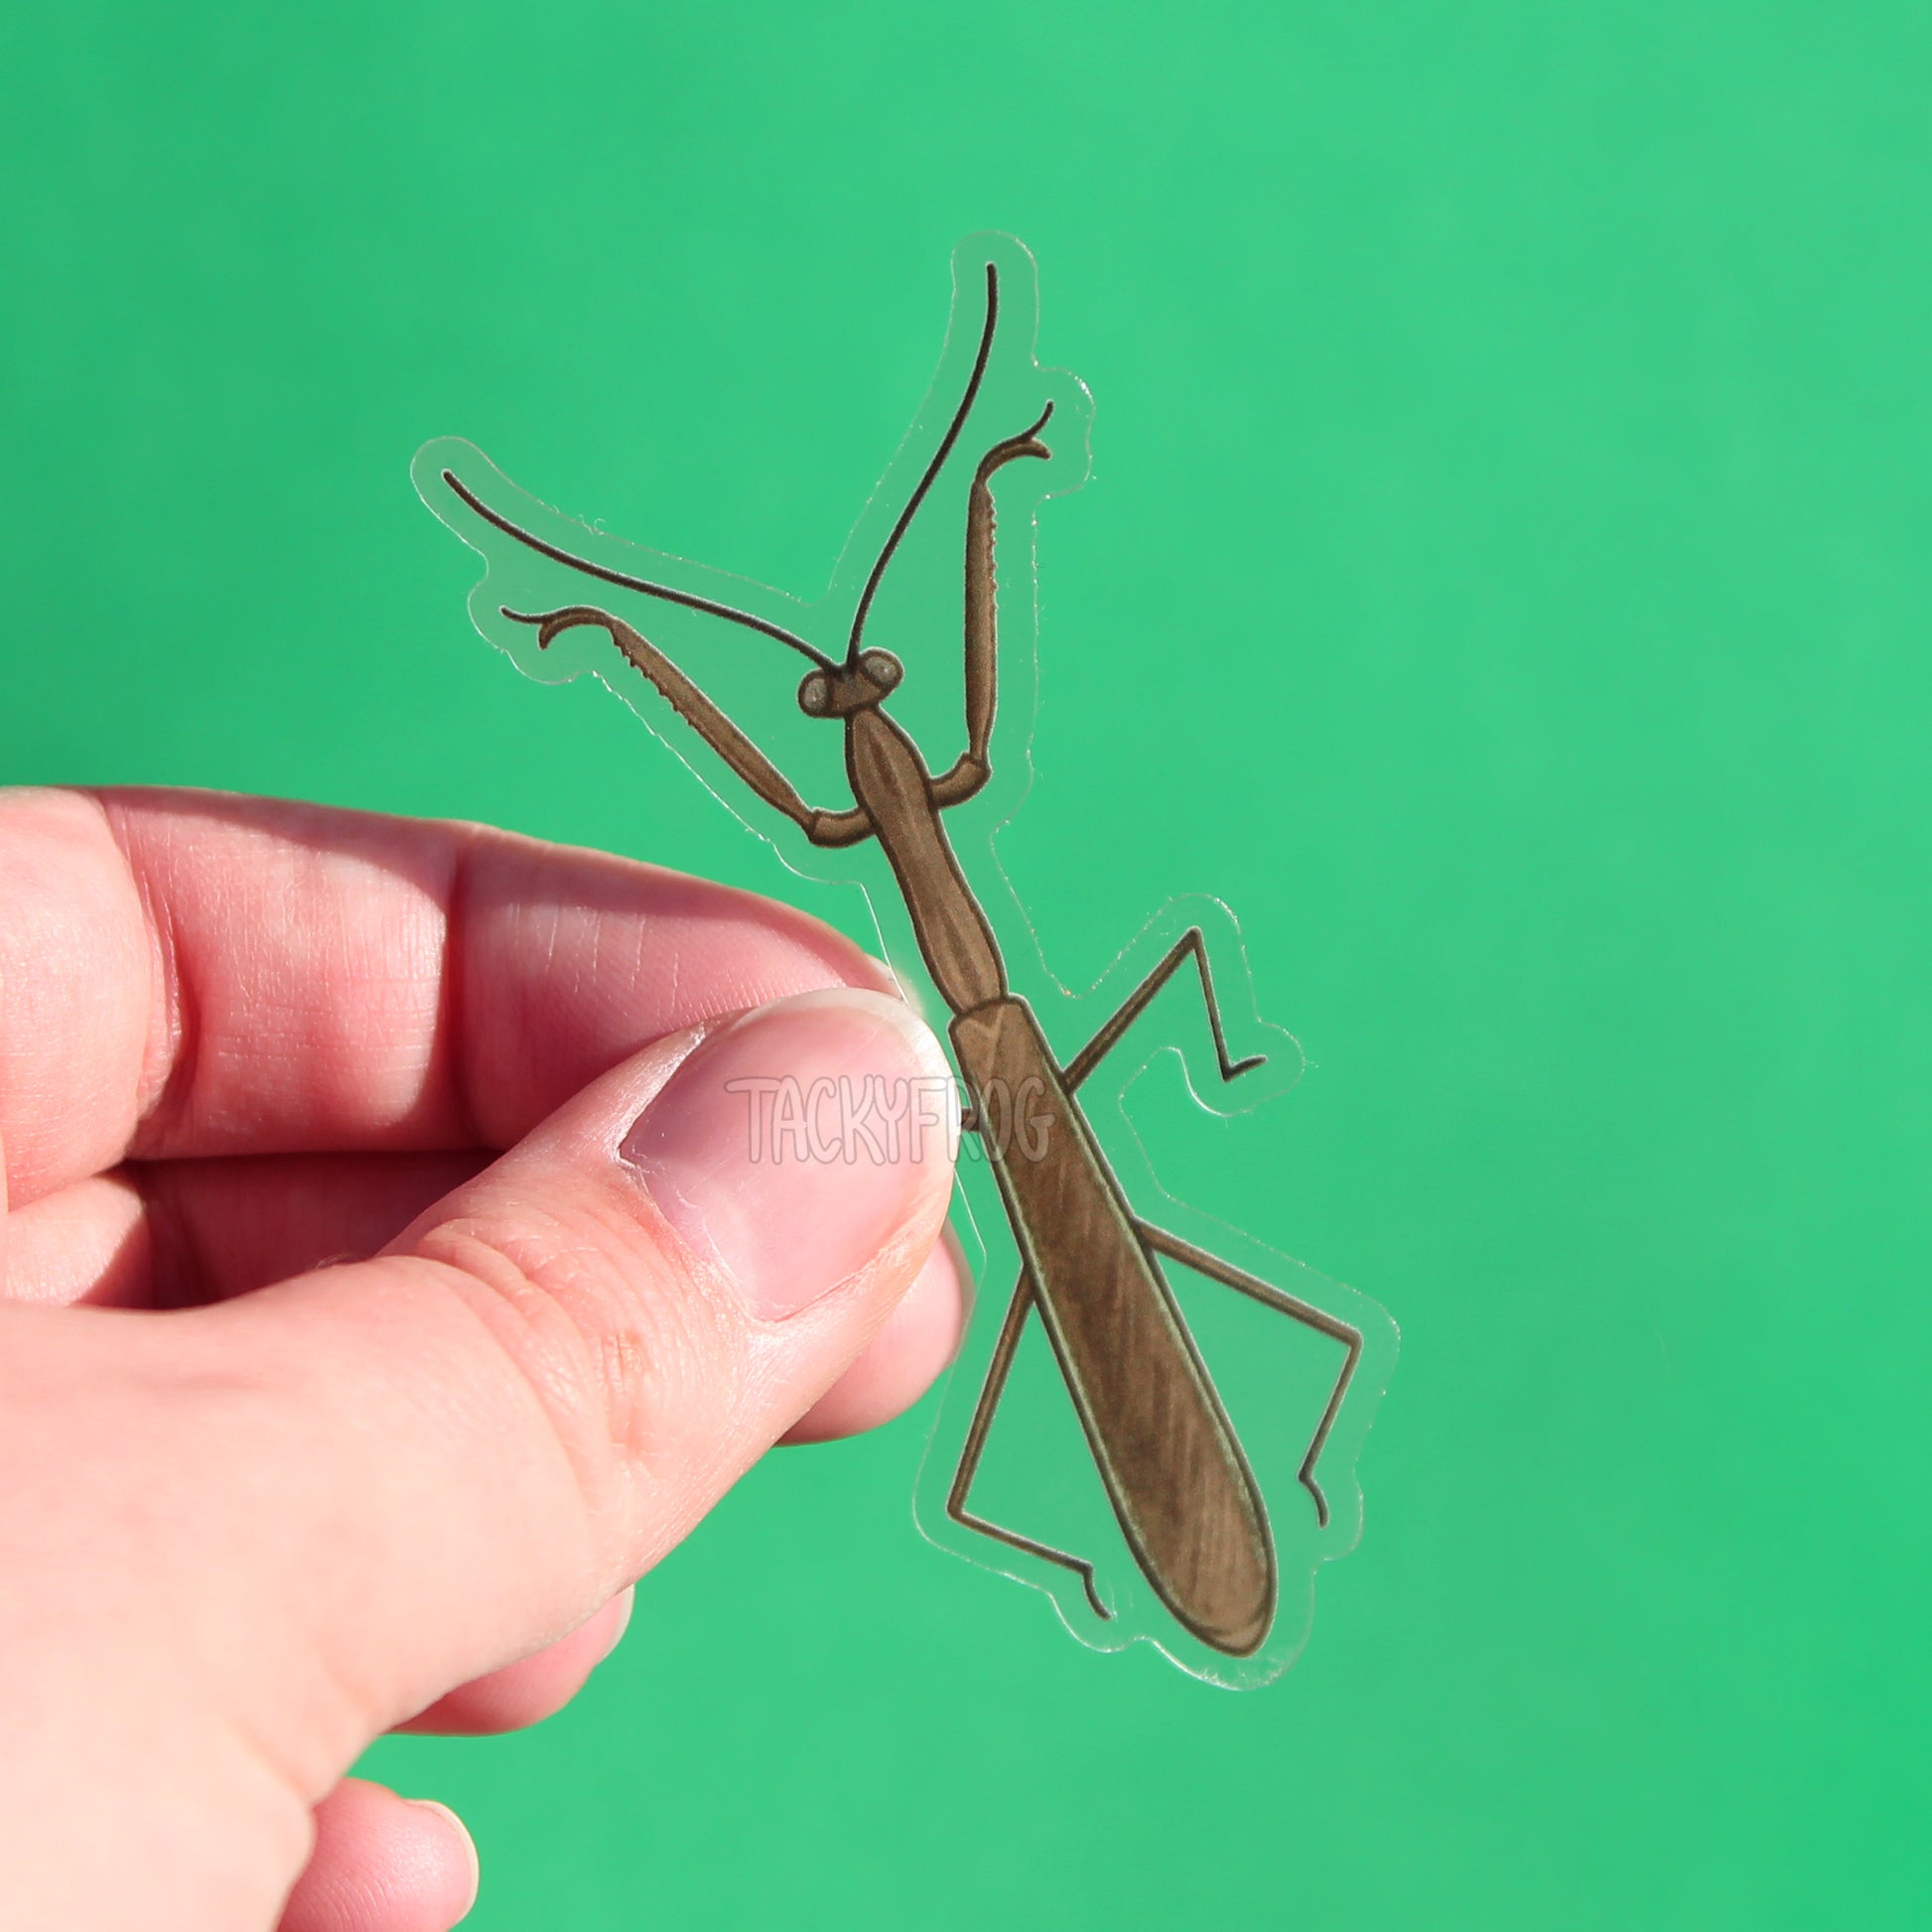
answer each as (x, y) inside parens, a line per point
(1167, 1453)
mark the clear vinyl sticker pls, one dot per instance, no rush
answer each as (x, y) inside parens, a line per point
(1154, 1418)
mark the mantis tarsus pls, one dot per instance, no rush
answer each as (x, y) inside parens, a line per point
(1175, 1472)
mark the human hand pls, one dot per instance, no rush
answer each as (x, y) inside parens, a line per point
(387, 1283)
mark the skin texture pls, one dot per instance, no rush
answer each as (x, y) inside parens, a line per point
(350, 1372)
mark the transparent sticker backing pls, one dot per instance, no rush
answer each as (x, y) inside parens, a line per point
(1155, 1418)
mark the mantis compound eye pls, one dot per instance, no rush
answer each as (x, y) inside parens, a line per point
(815, 695)
(882, 668)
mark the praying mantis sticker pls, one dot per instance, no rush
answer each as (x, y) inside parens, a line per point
(1210, 1469)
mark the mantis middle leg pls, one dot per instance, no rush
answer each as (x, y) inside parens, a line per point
(1137, 1002)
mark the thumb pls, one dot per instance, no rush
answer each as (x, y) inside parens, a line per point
(451, 1455)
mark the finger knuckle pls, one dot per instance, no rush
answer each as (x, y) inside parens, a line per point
(596, 1321)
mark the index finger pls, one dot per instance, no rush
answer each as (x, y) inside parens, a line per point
(195, 973)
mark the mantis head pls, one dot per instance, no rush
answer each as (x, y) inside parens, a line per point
(841, 689)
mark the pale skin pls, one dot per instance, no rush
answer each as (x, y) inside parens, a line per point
(382, 1292)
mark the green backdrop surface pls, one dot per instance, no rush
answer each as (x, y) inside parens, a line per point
(1517, 421)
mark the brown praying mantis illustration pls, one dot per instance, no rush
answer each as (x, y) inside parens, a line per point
(1173, 1470)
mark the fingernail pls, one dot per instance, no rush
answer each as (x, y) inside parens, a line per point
(627, 1602)
(795, 1144)
(469, 1843)
(907, 990)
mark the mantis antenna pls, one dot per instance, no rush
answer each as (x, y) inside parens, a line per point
(933, 468)
(662, 590)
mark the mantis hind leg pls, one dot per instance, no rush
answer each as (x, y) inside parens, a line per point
(997, 1372)
(1217, 1270)
(1192, 942)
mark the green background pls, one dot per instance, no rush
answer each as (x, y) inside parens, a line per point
(1506, 581)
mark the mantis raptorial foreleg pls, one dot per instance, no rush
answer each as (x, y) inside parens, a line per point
(996, 1371)
(1217, 1270)
(972, 768)
(704, 718)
